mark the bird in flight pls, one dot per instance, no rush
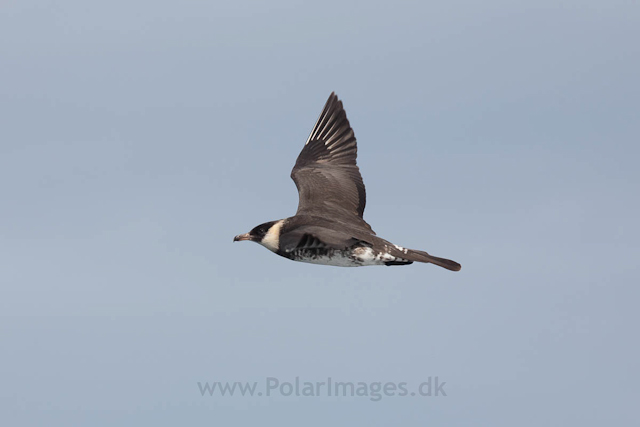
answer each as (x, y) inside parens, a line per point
(328, 227)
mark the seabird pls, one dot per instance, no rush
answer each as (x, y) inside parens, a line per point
(328, 227)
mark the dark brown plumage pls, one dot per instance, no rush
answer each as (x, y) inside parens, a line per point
(328, 227)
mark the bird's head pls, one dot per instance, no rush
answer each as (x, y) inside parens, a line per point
(267, 234)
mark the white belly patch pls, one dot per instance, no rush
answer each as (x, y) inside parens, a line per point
(356, 257)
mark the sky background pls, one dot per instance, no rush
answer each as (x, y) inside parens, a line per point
(138, 137)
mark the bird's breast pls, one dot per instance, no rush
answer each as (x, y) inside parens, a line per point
(360, 256)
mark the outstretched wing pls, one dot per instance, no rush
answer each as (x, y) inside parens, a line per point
(326, 174)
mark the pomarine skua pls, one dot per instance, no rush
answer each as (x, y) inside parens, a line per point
(328, 227)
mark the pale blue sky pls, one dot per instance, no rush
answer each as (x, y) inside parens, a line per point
(138, 137)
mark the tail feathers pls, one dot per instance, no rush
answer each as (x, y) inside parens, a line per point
(421, 256)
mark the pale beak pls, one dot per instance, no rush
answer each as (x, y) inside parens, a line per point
(240, 237)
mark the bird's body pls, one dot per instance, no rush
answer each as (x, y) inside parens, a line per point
(295, 238)
(328, 227)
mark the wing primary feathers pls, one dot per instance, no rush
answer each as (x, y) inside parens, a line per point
(325, 111)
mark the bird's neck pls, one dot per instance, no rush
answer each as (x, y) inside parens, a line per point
(271, 239)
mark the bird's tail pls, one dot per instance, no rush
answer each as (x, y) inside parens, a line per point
(422, 256)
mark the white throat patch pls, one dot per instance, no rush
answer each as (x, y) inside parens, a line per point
(271, 240)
